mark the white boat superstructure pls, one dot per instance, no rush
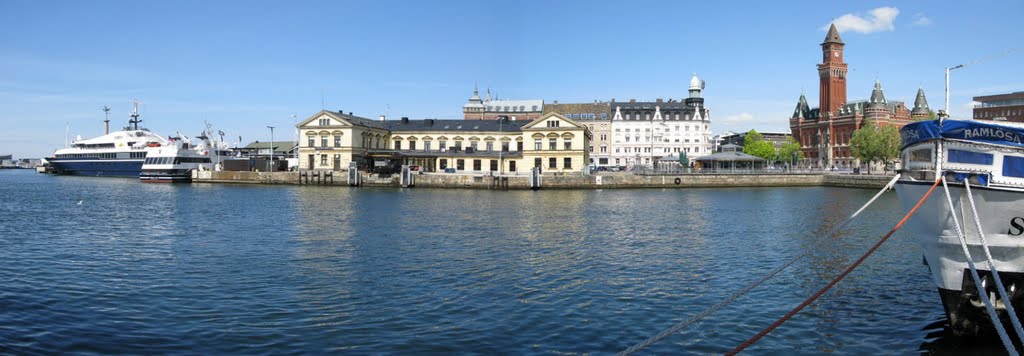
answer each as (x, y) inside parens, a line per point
(176, 161)
(990, 158)
(117, 154)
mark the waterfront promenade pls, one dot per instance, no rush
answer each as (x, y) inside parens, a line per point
(573, 181)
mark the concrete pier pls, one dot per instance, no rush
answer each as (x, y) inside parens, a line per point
(574, 181)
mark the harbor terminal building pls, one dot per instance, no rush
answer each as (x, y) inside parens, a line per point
(331, 140)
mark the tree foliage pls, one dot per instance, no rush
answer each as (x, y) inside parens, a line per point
(789, 148)
(931, 116)
(755, 145)
(872, 144)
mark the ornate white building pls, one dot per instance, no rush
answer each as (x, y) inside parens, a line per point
(643, 132)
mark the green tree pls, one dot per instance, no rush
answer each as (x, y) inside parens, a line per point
(872, 144)
(755, 145)
(889, 142)
(789, 148)
(863, 143)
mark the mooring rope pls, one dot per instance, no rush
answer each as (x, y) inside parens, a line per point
(711, 310)
(977, 279)
(991, 265)
(814, 297)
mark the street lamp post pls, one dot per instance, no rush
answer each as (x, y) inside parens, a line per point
(271, 147)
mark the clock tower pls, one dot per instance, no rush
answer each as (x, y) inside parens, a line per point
(832, 72)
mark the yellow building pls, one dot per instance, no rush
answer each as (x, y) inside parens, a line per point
(331, 140)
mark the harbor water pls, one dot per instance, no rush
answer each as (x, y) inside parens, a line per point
(109, 265)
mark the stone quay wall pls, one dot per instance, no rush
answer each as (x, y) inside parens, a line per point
(601, 181)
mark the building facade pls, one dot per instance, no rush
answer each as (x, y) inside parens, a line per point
(596, 117)
(642, 132)
(491, 109)
(824, 132)
(776, 138)
(333, 140)
(1000, 107)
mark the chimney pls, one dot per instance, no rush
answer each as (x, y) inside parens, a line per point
(430, 122)
(405, 120)
(382, 118)
(658, 100)
(556, 102)
(349, 113)
(632, 100)
(106, 127)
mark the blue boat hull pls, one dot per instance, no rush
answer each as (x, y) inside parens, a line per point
(129, 168)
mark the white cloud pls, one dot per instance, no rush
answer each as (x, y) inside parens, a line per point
(880, 19)
(921, 20)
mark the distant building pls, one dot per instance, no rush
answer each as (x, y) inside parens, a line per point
(1000, 107)
(776, 138)
(824, 132)
(642, 132)
(281, 149)
(491, 109)
(717, 141)
(333, 140)
(6, 160)
(596, 116)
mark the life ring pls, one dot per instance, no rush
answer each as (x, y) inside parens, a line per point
(678, 180)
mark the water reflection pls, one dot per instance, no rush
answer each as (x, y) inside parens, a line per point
(363, 270)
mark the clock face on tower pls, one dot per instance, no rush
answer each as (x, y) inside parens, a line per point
(836, 54)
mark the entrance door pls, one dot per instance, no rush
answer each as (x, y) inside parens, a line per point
(337, 162)
(311, 160)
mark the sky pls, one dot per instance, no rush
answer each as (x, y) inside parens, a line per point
(245, 65)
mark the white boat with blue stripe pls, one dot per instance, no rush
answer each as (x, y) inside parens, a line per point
(115, 154)
(971, 232)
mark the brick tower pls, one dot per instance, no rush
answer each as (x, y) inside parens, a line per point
(832, 72)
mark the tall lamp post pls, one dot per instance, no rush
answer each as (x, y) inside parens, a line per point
(296, 124)
(271, 148)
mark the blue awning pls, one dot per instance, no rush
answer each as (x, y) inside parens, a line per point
(979, 131)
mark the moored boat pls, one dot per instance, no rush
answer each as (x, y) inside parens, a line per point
(983, 167)
(175, 162)
(114, 154)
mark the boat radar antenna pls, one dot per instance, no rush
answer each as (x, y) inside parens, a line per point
(134, 122)
(106, 120)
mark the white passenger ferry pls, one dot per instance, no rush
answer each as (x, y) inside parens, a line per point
(115, 154)
(977, 225)
(175, 162)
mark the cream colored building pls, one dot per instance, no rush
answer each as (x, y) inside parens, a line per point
(330, 140)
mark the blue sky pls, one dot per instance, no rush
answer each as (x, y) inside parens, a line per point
(243, 65)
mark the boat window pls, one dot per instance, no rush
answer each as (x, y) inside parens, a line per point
(961, 156)
(921, 155)
(1013, 166)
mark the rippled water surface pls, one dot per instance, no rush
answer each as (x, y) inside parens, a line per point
(210, 269)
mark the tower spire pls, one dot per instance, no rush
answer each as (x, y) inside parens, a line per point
(833, 35)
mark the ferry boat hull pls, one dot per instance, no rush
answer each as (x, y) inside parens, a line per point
(165, 177)
(935, 232)
(129, 168)
(990, 158)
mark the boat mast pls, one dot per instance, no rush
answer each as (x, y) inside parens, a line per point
(946, 111)
(106, 120)
(134, 122)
